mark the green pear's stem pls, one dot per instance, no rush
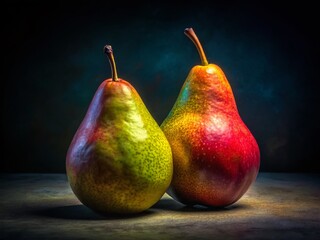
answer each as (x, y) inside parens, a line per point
(108, 50)
(191, 34)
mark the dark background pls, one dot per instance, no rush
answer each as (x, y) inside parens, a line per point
(54, 63)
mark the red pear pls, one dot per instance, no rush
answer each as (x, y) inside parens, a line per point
(215, 156)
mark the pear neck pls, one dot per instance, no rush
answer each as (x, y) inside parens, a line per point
(205, 94)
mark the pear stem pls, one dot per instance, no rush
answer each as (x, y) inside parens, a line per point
(191, 34)
(108, 50)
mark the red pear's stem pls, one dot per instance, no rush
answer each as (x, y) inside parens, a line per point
(191, 34)
(108, 50)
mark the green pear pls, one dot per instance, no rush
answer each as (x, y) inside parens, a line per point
(119, 160)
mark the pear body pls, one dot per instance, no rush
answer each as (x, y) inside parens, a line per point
(119, 160)
(215, 156)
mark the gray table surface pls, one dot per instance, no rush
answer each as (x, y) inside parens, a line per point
(277, 206)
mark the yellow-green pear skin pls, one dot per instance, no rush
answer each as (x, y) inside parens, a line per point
(119, 160)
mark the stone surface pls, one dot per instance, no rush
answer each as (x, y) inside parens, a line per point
(277, 206)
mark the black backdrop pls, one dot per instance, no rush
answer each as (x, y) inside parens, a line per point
(54, 63)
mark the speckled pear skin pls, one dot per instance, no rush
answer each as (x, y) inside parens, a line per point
(215, 156)
(119, 160)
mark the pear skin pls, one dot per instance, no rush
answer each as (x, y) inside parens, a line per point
(215, 156)
(119, 160)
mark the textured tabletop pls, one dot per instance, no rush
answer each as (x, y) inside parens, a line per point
(277, 206)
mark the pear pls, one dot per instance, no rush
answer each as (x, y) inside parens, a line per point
(215, 156)
(119, 160)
